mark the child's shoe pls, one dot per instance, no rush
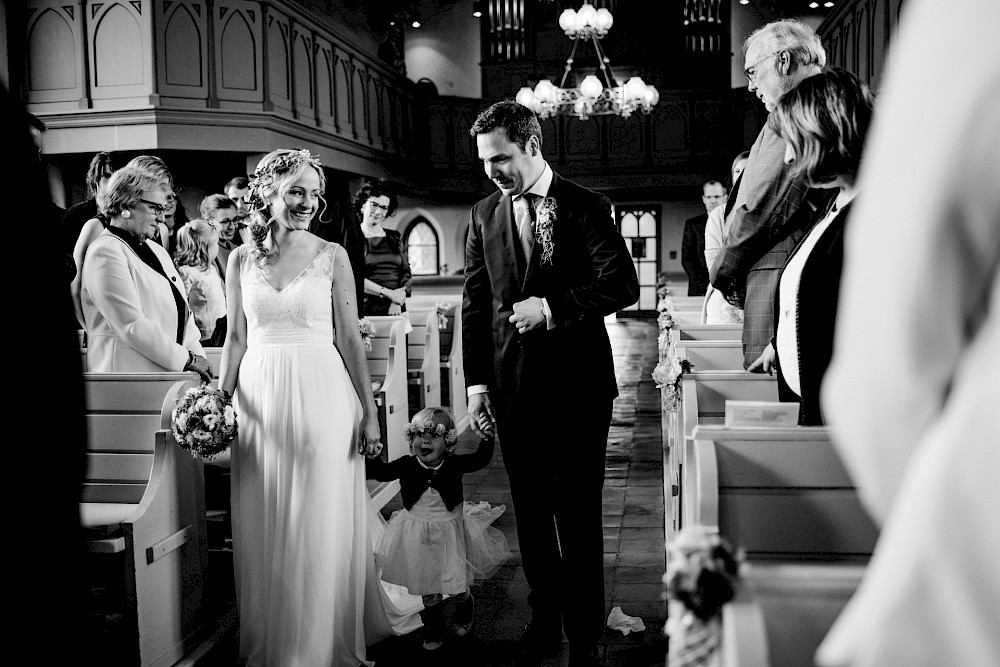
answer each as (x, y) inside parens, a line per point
(434, 627)
(464, 615)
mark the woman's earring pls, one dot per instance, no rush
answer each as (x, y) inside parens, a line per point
(126, 214)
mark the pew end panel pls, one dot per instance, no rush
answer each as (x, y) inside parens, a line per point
(423, 360)
(703, 401)
(782, 493)
(453, 368)
(706, 332)
(143, 507)
(783, 611)
(387, 367)
(711, 355)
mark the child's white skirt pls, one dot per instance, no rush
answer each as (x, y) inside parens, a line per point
(429, 549)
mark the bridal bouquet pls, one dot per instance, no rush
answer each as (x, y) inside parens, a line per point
(367, 330)
(702, 575)
(441, 307)
(203, 422)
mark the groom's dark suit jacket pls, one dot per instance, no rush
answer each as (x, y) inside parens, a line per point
(591, 275)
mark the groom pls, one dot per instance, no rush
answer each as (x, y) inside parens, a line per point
(544, 264)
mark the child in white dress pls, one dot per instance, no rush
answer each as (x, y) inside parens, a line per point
(197, 248)
(439, 545)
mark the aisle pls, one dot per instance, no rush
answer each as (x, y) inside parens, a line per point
(633, 534)
(633, 519)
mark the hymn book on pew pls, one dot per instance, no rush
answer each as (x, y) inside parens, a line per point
(761, 413)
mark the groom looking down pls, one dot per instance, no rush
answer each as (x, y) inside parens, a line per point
(544, 264)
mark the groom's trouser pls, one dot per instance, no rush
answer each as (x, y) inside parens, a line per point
(553, 449)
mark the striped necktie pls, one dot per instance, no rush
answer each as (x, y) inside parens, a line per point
(526, 223)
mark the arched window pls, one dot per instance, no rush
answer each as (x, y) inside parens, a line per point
(422, 246)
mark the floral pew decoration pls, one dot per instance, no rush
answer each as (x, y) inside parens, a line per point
(367, 330)
(668, 374)
(665, 319)
(703, 572)
(441, 308)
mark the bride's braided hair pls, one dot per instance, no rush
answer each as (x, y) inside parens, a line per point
(273, 174)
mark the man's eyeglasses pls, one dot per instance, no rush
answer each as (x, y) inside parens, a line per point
(751, 72)
(156, 209)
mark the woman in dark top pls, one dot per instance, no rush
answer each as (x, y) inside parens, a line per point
(388, 280)
(824, 121)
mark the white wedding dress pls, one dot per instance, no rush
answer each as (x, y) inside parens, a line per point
(304, 527)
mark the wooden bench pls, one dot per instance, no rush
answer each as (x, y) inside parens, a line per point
(423, 360)
(687, 331)
(453, 368)
(711, 355)
(782, 612)
(779, 493)
(703, 401)
(387, 367)
(144, 513)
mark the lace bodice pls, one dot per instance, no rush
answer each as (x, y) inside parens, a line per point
(304, 306)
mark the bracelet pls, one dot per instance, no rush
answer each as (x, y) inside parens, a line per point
(381, 291)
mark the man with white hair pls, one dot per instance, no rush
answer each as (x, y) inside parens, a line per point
(769, 211)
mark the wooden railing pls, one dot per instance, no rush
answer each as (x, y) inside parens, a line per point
(245, 76)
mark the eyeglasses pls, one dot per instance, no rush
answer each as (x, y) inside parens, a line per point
(381, 207)
(751, 72)
(156, 209)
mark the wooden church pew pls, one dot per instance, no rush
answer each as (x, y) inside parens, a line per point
(387, 366)
(691, 331)
(453, 367)
(779, 493)
(703, 401)
(423, 360)
(782, 612)
(144, 512)
(711, 355)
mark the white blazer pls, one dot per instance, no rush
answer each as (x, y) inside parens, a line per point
(130, 311)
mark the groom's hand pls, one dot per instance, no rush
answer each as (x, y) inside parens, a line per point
(528, 314)
(481, 416)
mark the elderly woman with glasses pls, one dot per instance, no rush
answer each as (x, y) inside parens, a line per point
(387, 267)
(136, 313)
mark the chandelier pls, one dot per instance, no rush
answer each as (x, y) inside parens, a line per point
(593, 97)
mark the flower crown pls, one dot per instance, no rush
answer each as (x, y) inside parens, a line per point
(427, 426)
(267, 174)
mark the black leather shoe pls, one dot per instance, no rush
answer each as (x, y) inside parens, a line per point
(540, 640)
(584, 658)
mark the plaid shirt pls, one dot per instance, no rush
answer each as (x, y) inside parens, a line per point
(771, 213)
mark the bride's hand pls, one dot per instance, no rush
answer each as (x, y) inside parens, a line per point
(371, 437)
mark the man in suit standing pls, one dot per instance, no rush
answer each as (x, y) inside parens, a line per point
(770, 211)
(544, 264)
(713, 194)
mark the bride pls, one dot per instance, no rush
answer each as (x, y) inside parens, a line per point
(306, 585)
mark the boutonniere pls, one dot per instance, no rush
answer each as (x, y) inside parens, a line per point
(543, 228)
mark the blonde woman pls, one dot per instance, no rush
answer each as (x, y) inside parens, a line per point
(197, 249)
(307, 589)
